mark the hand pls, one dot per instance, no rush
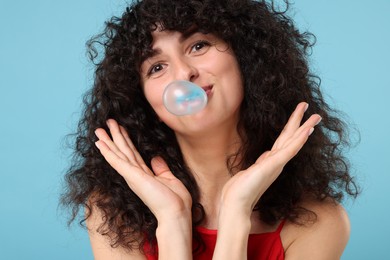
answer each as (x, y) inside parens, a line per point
(160, 190)
(244, 189)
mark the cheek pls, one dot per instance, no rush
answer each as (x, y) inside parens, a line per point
(153, 94)
(232, 70)
(226, 65)
(154, 97)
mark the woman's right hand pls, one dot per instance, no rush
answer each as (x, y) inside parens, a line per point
(164, 194)
(160, 190)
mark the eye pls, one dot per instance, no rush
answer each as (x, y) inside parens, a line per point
(200, 47)
(155, 68)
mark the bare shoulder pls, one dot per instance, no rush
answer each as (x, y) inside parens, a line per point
(101, 245)
(323, 238)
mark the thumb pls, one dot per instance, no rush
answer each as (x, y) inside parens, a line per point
(263, 156)
(159, 166)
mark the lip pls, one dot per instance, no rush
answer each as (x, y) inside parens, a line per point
(207, 89)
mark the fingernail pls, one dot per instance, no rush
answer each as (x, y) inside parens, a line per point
(311, 130)
(306, 107)
(97, 144)
(319, 120)
(108, 123)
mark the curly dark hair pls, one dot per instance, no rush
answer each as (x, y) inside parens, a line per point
(272, 56)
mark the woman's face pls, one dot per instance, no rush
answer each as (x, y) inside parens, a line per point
(204, 60)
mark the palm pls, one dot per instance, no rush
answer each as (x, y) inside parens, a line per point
(159, 189)
(246, 187)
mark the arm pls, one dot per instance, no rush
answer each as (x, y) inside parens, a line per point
(100, 244)
(160, 190)
(233, 232)
(172, 238)
(241, 193)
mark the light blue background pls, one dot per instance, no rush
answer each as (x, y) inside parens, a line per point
(44, 71)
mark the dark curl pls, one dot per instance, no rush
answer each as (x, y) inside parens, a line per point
(272, 55)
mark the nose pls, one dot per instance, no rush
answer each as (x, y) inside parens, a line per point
(185, 70)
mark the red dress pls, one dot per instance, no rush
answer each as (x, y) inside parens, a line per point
(264, 246)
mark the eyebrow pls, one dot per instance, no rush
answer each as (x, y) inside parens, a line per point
(151, 53)
(189, 32)
(185, 35)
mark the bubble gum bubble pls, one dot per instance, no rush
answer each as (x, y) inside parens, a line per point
(184, 98)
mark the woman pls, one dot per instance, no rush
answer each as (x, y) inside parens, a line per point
(156, 185)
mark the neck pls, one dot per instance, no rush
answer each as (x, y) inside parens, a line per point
(207, 157)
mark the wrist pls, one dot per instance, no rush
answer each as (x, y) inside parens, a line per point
(174, 223)
(236, 217)
(233, 232)
(235, 210)
(174, 238)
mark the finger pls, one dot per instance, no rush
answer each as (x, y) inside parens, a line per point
(292, 125)
(103, 136)
(121, 142)
(131, 174)
(310, 123)
(298, 142)
(289, 151)
(116, 134)
(134, 150)
(262, 157)
(159, 166)
(296, 117)
(130, 144)
(111, 157)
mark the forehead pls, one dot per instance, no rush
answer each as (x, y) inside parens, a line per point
(165, 35)
(160, 34)
(182, 34)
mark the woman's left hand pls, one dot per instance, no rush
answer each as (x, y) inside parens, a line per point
(241, 193)
(244, 189)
